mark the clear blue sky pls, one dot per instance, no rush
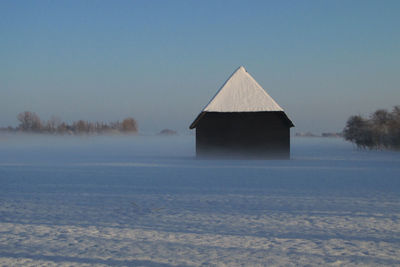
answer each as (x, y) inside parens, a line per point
(162, 61)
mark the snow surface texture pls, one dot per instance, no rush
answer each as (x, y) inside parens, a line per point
(241, 93)
(146, 201)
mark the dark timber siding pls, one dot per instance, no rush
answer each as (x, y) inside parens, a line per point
(243, 135)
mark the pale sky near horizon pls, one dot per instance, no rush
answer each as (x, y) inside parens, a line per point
(162, 61)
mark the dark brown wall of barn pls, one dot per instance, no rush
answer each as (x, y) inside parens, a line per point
(245, 135)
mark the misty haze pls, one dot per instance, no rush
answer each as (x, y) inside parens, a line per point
(199, 133)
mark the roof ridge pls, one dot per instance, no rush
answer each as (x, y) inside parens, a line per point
(223, 85)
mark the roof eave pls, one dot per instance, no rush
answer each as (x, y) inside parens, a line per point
(196, 121)
(201, 115)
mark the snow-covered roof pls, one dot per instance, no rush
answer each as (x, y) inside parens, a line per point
(241, 93)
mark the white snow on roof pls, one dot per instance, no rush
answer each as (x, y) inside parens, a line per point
(241, 93)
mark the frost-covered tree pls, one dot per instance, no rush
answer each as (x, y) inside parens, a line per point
(379, 122)
(380, 131)
(394, 128)
(358, 131)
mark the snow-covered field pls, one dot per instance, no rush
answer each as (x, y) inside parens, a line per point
(146, 201)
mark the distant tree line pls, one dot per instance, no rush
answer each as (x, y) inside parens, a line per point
(30, 122)
(380, 131)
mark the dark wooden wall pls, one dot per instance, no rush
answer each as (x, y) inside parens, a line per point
(243, 135)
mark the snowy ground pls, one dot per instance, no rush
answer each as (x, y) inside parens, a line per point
(146, 201)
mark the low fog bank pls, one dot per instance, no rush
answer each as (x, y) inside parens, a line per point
(42, 148)
(166, 163)
(38, 148)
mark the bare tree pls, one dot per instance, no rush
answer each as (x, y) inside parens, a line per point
(52, 124)
(29, 122)
(129, 125)
(81, 127)
(62, 128)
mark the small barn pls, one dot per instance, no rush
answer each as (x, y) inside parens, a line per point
(242, 121)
